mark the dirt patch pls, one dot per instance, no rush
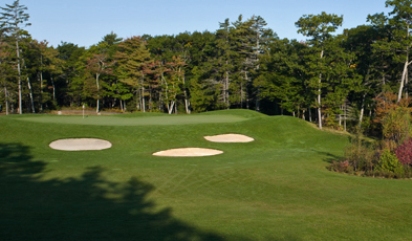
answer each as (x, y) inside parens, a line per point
(229, 138)
(188, 152)
(80, 144)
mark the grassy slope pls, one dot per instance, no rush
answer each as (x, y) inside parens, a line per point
(276, 188)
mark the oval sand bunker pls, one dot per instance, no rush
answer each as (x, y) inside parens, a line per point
(80, 144)
(188, 152)
(229, 138)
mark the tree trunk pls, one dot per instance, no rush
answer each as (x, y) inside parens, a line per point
(186, 96)
(6, 98)
(170, 107)
(319, 104)
(187, 103)
(143, 101)
(362, 110)
(405, 69)
(404, 73)
(257, 49)
(19, 77)
(226, 92)
(41, 84)
(150, 100)
(319, 96)
(406, 82)
(166, 99)
(54, 89)
(345, 116)
(98, 96)
(310, 114)
(31, 95)
(241, 95)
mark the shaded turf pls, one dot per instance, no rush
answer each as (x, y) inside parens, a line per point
(275, 188)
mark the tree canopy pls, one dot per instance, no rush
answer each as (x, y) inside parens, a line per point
(332, 78)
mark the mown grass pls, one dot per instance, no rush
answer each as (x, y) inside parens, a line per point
(275, 188)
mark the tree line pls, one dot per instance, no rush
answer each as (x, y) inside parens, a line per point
(332, 79)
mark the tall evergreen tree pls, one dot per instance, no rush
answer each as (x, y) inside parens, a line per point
(367, 64)
(224, 58)
(12, 16)
(6, 71)
(70, 55)
(131, 60)
(319, 28)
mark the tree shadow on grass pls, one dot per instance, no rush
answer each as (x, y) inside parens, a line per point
(329, 157)
(85, 208)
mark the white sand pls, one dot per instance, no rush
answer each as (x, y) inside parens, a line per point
(229, 138)
(80, 144)
(188, 152)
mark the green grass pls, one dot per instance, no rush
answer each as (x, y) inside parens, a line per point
(136, 121)
(275, 188)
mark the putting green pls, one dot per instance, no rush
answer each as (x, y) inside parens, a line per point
(135, 120)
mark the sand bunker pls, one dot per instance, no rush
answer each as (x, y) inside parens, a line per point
(188, 152)
(80, 144)
(229, 138)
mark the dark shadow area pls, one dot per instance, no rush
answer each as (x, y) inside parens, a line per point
(85, 208)
(328, 157)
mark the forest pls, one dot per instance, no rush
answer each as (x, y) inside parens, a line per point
(339, 80)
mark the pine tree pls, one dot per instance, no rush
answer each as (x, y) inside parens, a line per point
(319, 28)
(11, 18)
(131, 59)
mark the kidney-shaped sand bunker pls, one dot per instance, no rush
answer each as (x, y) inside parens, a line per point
(80, 144)
(229, 138)
(188, 152)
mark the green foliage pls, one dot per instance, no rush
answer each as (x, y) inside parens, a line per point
(396, 124)
(243, 64)
(131, 58)
(361, 154)
(319, 27)
(389, 165)
(394, 118)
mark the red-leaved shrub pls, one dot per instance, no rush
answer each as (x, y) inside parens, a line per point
(404, 152)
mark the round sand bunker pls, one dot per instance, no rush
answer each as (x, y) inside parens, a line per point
(188, 152)
(229, 138)
(80, 144)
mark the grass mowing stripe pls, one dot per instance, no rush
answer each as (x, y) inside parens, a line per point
(137, 121)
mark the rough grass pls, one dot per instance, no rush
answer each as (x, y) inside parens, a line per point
(275, 188)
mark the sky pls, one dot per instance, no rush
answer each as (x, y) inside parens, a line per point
(86, 22)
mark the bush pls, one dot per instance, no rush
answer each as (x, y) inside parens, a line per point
(404, 152)
(394, 118)
(389, 165)
(341, 166)
(360, 155)
(407, 171)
